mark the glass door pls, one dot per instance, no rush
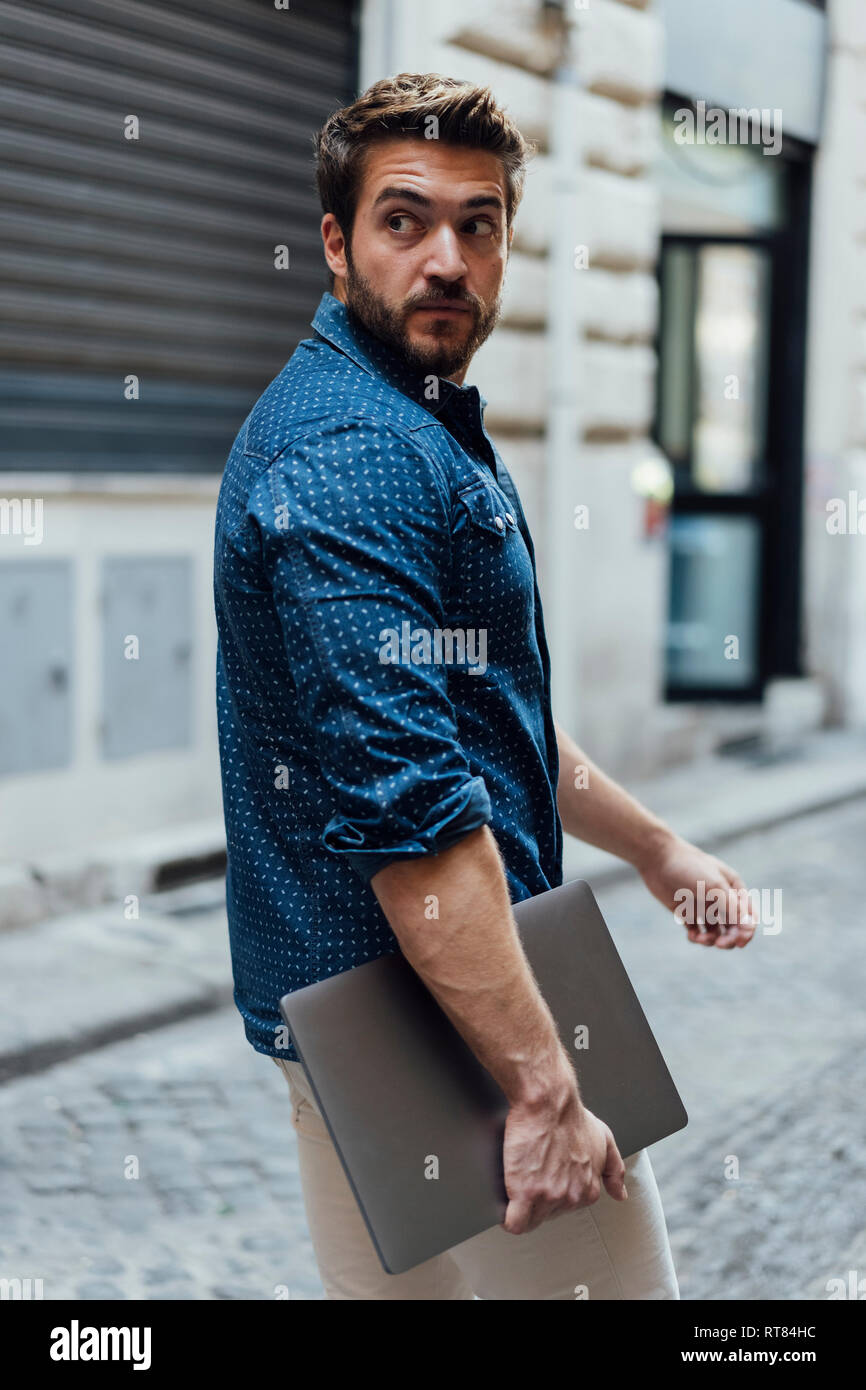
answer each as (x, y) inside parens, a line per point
(729, 410)
(712, 424)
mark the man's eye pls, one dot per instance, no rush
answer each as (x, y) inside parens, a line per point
(483, 226)
(399, 217)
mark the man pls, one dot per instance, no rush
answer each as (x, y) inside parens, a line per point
(383, 789)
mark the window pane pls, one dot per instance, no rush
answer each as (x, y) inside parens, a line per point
(732, 189)
(714, 599)
(731, 325)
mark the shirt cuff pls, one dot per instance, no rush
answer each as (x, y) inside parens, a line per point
(448, 821)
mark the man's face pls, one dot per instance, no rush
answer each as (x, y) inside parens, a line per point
(428, 252)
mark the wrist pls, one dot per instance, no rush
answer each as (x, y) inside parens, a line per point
(654, 843)
(547, 1083)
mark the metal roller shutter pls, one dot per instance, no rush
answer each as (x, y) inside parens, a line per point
(155, 257)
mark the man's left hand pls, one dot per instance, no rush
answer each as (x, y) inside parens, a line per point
(684, 877)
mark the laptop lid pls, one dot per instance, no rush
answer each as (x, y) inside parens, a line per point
(418, 1122)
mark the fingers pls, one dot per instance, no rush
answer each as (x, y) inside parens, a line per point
(742, 919)
(737, 926)
(702, 934)
(518, 1216)
(744, 933)
(586, 1167)
(523, 1214)
(613, 1173)
(728, 934)
(740, 924)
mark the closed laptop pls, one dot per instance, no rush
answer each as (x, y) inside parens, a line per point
(416, 1119)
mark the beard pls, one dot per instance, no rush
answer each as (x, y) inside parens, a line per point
(448, 351)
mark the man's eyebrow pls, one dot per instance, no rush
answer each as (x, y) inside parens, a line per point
(411, 195)
(484, 200)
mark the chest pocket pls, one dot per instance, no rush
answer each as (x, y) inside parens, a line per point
(488, 509)
(492, 580)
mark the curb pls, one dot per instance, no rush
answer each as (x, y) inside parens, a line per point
(41, 1057)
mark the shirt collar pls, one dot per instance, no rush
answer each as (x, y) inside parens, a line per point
(332, 322)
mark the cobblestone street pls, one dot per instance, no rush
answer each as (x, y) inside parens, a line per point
(766, 1045)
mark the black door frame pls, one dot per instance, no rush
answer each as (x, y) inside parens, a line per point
(777, 501)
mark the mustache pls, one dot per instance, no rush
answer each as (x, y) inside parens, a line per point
(442, 296)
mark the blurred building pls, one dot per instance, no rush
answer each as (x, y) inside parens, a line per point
(678, 382)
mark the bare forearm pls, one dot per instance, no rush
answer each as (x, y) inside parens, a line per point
(469, 956)
(594, 808)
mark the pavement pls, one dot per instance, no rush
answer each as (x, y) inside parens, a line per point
(89, 978)
(146, 1150)
(162, 1167)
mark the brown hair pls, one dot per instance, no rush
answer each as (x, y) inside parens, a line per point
(466, 115)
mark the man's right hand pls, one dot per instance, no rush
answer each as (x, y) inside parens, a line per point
(557, 1154)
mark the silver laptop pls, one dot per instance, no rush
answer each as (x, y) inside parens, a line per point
(416, 1119)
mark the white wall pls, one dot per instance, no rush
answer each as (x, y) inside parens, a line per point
(835, 565)
(95, 801)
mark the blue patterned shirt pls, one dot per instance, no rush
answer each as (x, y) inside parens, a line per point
(382, 675)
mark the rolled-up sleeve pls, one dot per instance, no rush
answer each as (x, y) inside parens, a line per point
(356, 535)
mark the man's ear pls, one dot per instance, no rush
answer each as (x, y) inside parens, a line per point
(333, 244)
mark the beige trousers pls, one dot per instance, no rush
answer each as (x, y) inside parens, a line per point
(610, 1250)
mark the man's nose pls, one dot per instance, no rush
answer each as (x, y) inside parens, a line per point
(445, 260)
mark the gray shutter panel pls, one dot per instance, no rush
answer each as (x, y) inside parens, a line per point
(155, 257)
